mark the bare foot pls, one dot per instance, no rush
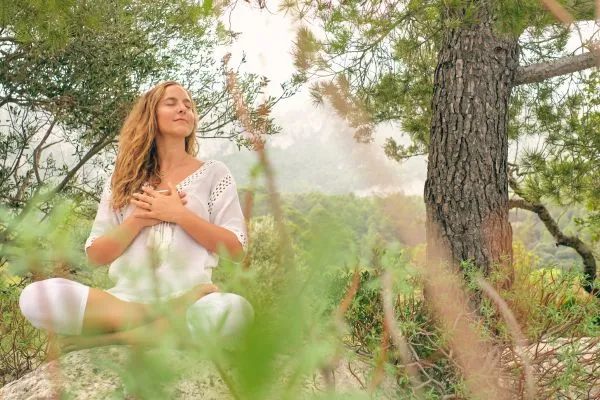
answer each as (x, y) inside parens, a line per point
(145, 336)
(68, 344)
(183, 302)
(202, 290)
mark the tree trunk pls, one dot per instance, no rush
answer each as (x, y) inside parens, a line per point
(466, 191)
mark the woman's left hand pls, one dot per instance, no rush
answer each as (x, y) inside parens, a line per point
(166, 207)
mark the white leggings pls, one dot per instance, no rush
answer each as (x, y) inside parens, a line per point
(58, 305)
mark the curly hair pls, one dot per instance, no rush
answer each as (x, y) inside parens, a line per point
(137, 158)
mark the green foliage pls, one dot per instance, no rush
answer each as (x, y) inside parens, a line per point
(30, 247)
(550, 297)
(295, 333)
(389, 54)
(53, 240)
(565, 169)
(516, 16)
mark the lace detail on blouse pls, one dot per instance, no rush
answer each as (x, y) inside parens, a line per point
(187, 182)
(218, 191)
(242, 238)
(89, 242)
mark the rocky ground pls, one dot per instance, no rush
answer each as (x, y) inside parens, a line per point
(92, 374)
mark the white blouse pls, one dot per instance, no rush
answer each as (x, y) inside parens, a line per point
(178, 262)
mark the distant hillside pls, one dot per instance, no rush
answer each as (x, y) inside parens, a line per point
(324, 165)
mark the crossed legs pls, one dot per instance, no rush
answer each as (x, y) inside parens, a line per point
(95, 318)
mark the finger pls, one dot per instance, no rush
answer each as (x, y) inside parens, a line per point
(141, 204)
(181, 194)
(143, 197)
(184, 202)
(150, 191)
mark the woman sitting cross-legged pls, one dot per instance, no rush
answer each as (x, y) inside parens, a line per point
(162, 218)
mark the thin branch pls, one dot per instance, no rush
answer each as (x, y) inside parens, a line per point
(96, 148)
(91, 195)
(220, 137)
(589, 261)
(397, 337)
(37, 152)
(10, 39)
(226, 379)
(207, 128)
(347, 300)
(51, 144)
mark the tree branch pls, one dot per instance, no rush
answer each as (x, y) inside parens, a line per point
(566, 65)
(10, 39)
(220, 137)
(589, 261)
(102, 143)
(91, 195)
(37, 153)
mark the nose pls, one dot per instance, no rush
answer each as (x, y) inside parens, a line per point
(181, 108)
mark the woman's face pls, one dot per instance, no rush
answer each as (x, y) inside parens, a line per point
(174, 113)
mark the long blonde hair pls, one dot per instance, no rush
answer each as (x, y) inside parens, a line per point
(137, 158)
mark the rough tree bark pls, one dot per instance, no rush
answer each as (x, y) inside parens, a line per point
(466, 191)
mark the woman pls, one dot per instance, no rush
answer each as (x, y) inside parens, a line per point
(163, 216)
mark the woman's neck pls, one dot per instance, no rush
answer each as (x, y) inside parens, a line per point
(171, 155)
(171, 161)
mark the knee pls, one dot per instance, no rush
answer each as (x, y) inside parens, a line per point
(31, 300)
(225, 315)
(52, 304)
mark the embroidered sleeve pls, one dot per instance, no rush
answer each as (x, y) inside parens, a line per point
(106, 218)
(224, 208)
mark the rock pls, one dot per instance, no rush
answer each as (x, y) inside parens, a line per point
(106, 373)
(92, 374)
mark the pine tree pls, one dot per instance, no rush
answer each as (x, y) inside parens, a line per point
(461, 77)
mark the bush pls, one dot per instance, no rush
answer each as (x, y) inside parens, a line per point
(22, 347)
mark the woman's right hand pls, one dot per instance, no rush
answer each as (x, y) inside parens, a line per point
(145, 222)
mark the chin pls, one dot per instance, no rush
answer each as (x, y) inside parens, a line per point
(181, 134)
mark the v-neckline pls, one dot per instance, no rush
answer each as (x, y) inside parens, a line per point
(178, 185)
(190, 174)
